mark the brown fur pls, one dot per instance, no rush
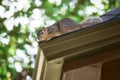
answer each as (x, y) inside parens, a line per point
(65, 25)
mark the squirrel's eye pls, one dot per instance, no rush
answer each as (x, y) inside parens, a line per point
(41, 32)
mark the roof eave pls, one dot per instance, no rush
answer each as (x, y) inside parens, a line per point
(85, 40)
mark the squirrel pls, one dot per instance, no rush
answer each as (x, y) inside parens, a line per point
(64, 26)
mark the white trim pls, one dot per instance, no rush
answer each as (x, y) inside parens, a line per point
(40, 66)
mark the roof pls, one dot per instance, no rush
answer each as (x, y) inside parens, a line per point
(82, 40)
(90, 45)
(113, 14)
(79, 40)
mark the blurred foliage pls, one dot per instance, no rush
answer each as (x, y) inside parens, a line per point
(20, 35)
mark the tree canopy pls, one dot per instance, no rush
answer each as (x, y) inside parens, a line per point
(21, 19)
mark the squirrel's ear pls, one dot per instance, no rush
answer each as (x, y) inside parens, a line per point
(44, 29)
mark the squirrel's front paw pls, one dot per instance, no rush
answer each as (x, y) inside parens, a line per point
(48, 39)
